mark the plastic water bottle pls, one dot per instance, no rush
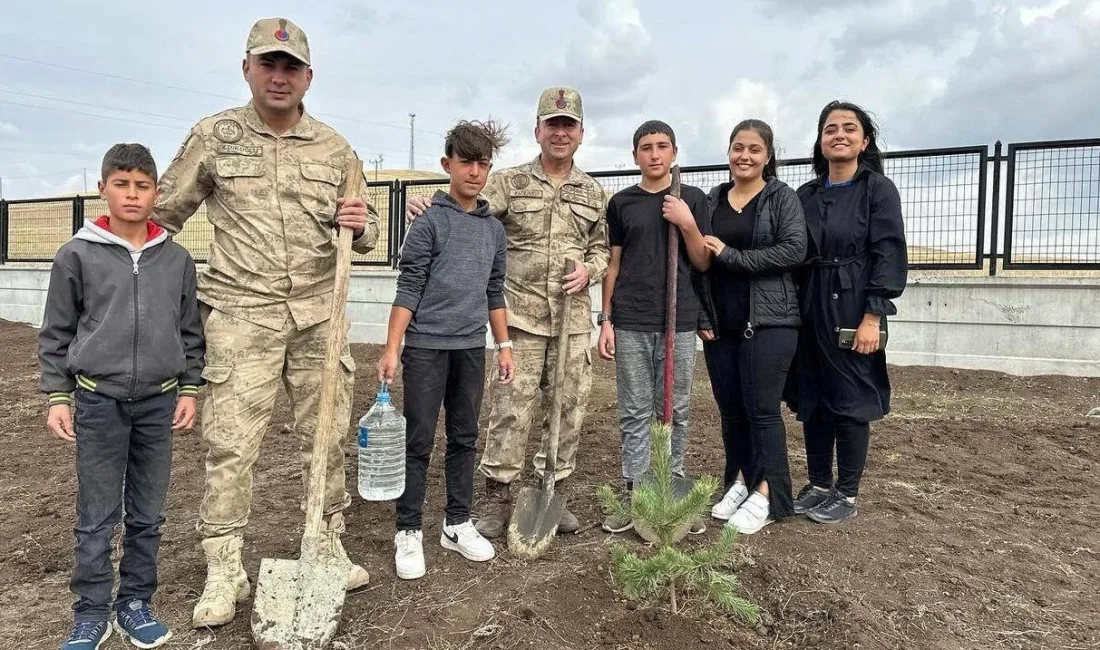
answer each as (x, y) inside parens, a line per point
(382, 450)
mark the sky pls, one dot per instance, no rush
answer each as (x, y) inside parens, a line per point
(76, 77)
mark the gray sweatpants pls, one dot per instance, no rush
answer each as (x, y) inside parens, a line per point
(639, 375)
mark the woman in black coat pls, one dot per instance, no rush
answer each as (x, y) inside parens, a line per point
(856, 264)
(749, 324)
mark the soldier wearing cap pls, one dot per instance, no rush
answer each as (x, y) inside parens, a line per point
(551, 211)
(270, 175)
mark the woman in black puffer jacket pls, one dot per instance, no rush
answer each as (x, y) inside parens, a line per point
(749, 324)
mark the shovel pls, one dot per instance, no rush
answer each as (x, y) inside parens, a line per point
(298, 603)
(681, 485)
(537, 512)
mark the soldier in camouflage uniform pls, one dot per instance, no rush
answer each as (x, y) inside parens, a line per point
(551, 211)
(270, 176)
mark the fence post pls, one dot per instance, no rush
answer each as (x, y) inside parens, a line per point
(3, 231)
(397, 221)
(78, 213)
(994, 215)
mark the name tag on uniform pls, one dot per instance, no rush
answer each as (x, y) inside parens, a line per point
(526, 193)
(240, 149)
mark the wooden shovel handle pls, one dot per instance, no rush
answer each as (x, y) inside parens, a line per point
(330, 376)
(671, 273)
(550, 470)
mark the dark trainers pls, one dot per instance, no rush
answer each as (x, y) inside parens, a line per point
(135, 621)
(87, 635)
(835, 509)
(496, 511)
(809, 498)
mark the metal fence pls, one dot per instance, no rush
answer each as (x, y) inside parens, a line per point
(1050, 194)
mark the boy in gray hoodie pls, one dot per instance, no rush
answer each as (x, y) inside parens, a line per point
(451, 281)
(122, 339)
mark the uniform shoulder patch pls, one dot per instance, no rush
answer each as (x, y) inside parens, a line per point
(228, 131)
(520, 181)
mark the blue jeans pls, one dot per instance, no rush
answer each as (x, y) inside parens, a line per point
(123, 458)
(639, 383)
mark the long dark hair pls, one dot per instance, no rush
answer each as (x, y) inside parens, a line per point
(871, 157)
(765, 132)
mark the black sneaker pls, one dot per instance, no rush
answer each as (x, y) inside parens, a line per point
(835, 509)
(809, 498)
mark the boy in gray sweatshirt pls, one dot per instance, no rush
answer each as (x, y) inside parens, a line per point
(451, 281)
(122, 338)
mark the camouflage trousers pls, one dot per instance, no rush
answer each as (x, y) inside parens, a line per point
(514, 408)
(245, 365)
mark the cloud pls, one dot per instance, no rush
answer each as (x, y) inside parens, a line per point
(7, 128)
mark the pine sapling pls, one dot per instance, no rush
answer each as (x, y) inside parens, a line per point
(665, 515)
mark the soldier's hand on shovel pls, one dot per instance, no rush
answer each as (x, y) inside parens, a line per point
(576, 280)
(352, 214)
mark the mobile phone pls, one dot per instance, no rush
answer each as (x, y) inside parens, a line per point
(848, 336)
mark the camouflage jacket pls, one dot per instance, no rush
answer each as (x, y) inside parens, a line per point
(544, 226)
(272, 202)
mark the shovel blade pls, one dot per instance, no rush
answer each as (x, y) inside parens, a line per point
(534, 522)
(298, 604)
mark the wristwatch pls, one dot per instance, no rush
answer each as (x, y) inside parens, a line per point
(503, 344)
(602, 318)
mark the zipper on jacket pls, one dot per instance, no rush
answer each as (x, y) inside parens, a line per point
(749, 332)
(133, 355)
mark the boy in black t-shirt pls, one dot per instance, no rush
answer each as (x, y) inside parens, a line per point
(632, 323)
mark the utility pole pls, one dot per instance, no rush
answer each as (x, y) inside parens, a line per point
(412, 140)
(85, 180)
(377, 162)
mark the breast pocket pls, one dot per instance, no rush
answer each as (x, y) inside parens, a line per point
(241, 181)
(526, 223)
(584, 218)
(319, 188)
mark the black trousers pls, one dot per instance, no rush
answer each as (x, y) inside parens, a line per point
(455, 380)
(825, 432)
(123, 461)
(747, 378)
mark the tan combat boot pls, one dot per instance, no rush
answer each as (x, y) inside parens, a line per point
(332, 551)
(226, 582)
(497, 509)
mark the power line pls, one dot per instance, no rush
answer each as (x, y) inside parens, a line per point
(91, 104)
(105, 117)
(183, 89)
(45, 175)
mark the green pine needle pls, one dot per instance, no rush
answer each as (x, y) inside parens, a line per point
(707, 571)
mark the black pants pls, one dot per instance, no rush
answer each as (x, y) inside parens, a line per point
(824, 432)
(454, 379)
(123, 459)
(747, 377)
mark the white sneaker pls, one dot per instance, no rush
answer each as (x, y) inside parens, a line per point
(752, 515)
(465, 539)
(409, 556)
(732, 500)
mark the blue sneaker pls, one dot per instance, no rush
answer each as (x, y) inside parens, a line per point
(88, 635)
(135, 621)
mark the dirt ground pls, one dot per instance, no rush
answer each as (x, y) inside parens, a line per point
(973, 533)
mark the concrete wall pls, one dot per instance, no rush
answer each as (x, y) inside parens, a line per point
(1014, 325)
